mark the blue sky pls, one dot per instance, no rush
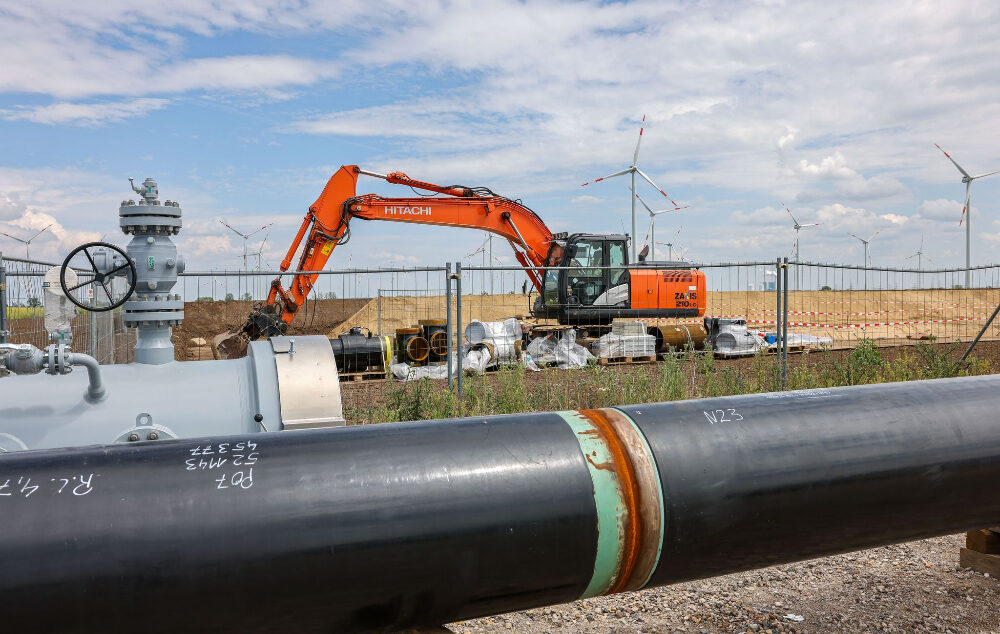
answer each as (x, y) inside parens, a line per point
(242, 110)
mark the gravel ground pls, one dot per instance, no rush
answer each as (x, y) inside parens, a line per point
(913, 587)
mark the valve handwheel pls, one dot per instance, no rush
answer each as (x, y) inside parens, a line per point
(99, 279)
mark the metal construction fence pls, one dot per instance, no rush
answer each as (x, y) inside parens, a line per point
(840, 304)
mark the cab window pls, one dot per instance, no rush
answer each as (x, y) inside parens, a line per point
(616, 257)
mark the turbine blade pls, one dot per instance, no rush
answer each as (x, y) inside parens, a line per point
(635, 158)
(811, 224)
(259, 230)
(650, 181)
(231, 229)
(964, 173)
(597, 180)
(14, 238)
(790, 213)
(40, 232)
(965, 208)
(854, 236)
(642, 201)
(986, 174)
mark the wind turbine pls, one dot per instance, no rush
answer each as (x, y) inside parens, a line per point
(966, 209)
(650, 238)
(798, 226)
(245, 236)
(868, 259)
(27, 243)
(259, 254)
(632, 170)
(669, 245)
(920, 266)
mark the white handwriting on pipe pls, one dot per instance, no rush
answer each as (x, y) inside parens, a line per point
(24, 486)
(214, 457)
(722, 416)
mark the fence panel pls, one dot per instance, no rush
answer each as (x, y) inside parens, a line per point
(892, 306)
(99, 334)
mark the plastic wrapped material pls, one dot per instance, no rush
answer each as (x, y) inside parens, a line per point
(797, 340)
(628, 328)
(406, 372)
(477, 359)
(500, 337)
(611, 346)
(565, 353)
(59, 311)
(479, 331)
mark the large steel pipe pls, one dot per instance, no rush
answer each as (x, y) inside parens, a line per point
(390, 526)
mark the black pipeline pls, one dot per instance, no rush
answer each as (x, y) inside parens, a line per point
(393, 526)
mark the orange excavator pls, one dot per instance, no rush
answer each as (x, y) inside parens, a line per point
(582, 290)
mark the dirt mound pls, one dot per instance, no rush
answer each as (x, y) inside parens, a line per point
(207, 319)
(386, 314)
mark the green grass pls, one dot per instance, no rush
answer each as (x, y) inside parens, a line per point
(509, 391)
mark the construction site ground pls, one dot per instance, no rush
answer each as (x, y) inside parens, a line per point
(912, 587)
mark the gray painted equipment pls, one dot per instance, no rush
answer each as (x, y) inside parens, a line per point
(385, 527)
(285, 383)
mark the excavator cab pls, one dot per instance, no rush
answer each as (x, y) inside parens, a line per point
(587, 288)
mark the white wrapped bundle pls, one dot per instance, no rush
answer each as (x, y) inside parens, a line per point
(628, 328)
(611, 346)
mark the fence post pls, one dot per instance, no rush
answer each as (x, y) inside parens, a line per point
(92, 330)
(447, 312)
(379, 303)
(777, 313)
(458, 324)
(784, 328)
(4, 333)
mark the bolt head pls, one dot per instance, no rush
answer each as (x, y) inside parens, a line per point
(152, 436)
(133, 437)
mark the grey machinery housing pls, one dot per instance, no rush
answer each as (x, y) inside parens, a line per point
(282, 384)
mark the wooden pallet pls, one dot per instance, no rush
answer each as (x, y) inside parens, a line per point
(367, 375)
(626, 360)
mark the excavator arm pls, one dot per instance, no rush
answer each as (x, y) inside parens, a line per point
(327, 225)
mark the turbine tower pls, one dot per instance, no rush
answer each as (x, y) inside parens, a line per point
(27, 243)
(967, 179)
(632, 170)
(650, 238)
(798, 226)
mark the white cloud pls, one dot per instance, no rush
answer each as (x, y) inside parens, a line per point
(86, 114)
(586, 200)
(941, 210)
(240, 73)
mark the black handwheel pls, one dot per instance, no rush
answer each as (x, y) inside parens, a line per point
(99, 279)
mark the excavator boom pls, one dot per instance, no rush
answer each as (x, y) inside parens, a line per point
(327, 224)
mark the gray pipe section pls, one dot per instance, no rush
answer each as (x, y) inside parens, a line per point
(95, 389)
(127, 403)
(384, 527)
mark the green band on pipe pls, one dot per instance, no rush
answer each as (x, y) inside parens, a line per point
(608, 501)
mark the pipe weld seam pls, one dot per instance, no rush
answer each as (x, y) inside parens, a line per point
(627, 496)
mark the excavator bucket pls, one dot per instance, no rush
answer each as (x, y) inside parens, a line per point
(230, 345)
